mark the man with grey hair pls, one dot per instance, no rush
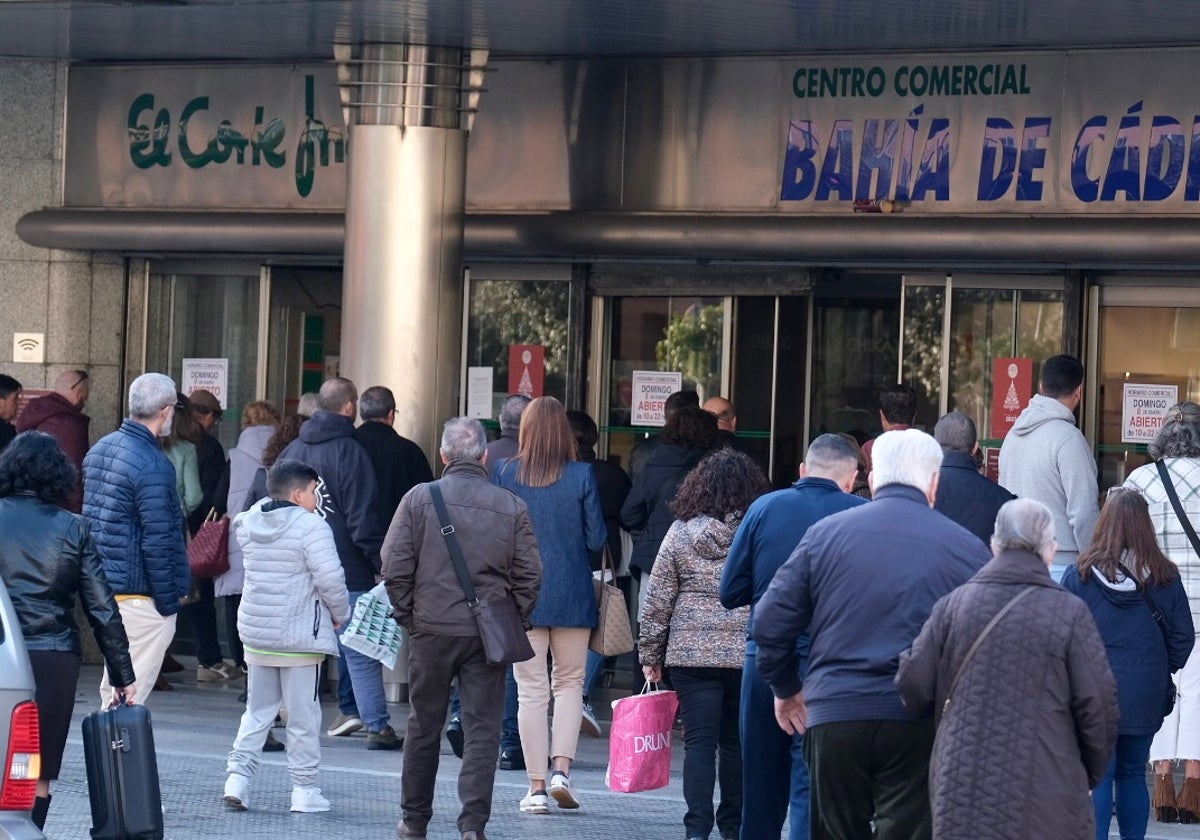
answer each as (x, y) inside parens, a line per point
(970, 499)
(309, 403)
(861, 583)
(510, 429)
(774, 774)
(346, 501)
(399, 463)
(136, 520)
(495, 535)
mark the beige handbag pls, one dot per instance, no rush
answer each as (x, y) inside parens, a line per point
(613, 634)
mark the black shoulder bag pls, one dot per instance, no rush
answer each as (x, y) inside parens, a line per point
(500, 627)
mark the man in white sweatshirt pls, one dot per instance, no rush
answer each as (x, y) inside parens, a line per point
(1045, 457)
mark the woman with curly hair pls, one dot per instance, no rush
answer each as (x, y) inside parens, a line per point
(684, 627)
(1177, 450)
(47, 561)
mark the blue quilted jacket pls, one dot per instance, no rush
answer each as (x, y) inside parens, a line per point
(130, 501)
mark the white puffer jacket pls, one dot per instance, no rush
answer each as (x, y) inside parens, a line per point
(294, 588)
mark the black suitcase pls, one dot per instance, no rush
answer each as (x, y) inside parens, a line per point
(122, 773)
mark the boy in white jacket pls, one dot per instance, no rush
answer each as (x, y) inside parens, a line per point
(293, 600)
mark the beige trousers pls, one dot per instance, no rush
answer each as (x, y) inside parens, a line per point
(150, 635)
(567, 648)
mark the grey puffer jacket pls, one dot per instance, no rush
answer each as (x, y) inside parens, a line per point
(683, 623)
(1033, 720)
(294, 588)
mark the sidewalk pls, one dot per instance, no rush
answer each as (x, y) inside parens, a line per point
(194, 726)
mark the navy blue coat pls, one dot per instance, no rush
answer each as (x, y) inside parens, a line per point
(970, 499)
(1136, 651)
(345, 493)
(130, 501)
(861, 584)
(568, 523)
(769, 533)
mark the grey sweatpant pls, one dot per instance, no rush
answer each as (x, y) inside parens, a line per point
(267, 690)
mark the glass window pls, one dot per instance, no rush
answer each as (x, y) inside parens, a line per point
(856, 335)
(206, 316)
(1146, 345)
(507, 312)
(685, 334)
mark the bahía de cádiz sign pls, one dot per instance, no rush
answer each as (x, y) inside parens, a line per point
(994, 133)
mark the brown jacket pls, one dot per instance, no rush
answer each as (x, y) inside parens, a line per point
(1032, 721)
(496, 537)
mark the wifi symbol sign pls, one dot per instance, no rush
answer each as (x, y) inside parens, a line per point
(29, 347)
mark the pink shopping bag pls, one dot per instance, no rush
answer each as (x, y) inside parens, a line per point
(639, 747)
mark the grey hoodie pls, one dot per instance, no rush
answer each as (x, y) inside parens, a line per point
(1046, 458)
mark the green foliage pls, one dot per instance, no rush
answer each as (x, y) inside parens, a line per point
(691, 344)
(505, 312)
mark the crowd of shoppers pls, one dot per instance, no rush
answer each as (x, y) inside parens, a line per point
(856, 668)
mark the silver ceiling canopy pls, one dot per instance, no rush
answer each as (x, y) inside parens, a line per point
(281, 30)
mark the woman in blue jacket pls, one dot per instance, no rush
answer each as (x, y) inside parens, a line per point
(1117, 576)
(564, 507)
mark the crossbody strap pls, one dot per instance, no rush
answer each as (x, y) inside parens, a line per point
(456, 556)
(1169, 486)
(979, 640)
(1159, 618)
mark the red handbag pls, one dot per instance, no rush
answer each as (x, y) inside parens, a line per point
(208, 553)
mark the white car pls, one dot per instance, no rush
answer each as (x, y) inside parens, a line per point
(19, 734)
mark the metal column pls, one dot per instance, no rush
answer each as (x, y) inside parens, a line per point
(409, 111)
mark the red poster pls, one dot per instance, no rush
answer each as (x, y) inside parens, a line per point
(991, 463)
(1012, 388)
(526, 369)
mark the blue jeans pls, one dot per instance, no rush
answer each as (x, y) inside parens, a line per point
(774, 773)
(595, 666)
(345, 691)
(366, 678)
(510, 737)
(1127, 773)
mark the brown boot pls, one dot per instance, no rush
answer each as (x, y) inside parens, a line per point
(1165, 809)
(1188, 801)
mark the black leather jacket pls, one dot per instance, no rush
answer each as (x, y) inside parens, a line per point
(46, 559)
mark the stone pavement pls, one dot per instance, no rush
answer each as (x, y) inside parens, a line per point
(194, 726)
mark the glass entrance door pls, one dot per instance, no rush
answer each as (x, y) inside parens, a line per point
(955, 326)
(748, 349)
(1146, 347)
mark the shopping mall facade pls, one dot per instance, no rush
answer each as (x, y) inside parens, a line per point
(597, 218)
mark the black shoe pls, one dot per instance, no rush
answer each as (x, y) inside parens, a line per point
(512, 760)
(454, 734)
(384, 739)
(272, 744)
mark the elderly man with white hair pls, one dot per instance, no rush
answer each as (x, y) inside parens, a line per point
(862, 583)
(1026, 718)
(131, 504)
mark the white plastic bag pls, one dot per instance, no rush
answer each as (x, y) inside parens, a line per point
(372, 631)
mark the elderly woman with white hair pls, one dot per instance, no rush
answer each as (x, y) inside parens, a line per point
(1014, 671)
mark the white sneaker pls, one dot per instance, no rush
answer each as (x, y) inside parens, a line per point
(562, 792)
(535, 803)
(588, 725)
(237, 792)
(308, 800)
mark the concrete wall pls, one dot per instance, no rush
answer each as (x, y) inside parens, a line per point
(76, 298)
